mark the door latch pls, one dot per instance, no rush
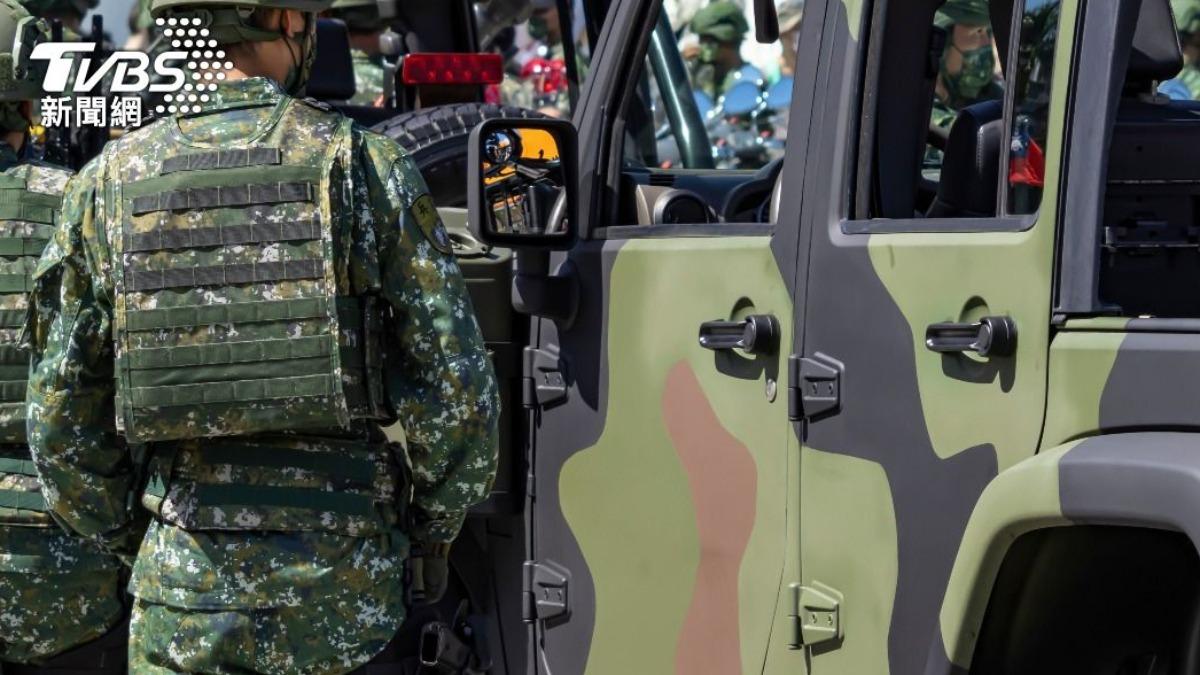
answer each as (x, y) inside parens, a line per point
(542, 383)
(544, 590)
(816, 615)
(814, 387)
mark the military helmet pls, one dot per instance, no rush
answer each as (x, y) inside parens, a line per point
(44, 8)
(967, 12)
(358, 15)
(20, 77)
(160, 7)
(1187, 15)
(722, 20)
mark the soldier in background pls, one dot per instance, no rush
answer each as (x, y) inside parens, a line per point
(542, 83)
(274, 285)
(365, 27)
(717, 62)
(968, 70)
(61, 598)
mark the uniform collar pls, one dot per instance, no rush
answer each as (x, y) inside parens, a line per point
(238, 93)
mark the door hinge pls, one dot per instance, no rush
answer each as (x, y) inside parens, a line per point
(542, 383)
(814, 387)
(816, 615)
(544, 590)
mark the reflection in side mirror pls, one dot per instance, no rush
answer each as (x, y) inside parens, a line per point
(523, 189)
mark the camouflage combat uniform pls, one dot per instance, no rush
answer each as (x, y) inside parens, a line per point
(231, 577)
(368, 78)
(56, 592)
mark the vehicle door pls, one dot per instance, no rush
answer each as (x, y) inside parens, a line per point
(928, 301)
(664, 465)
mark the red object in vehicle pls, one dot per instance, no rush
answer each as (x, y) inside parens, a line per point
(1029, 167)
(453, 68)
(550, 75)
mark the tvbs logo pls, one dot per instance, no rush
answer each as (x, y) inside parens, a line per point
(130, 71)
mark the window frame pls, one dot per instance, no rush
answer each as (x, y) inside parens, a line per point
(864, 180)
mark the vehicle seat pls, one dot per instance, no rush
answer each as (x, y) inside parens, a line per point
(971, 164)
(1156, 55)
(332, 77)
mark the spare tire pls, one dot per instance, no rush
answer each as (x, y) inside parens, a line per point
(436, 139)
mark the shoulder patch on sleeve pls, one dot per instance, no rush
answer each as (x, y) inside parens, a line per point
(426, 215)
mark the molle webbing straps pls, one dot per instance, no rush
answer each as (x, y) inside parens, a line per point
(229, 195)
(20, 499)
(223, 235)
(26, 225)
(221, 159)
(232, 322)
(221, 275)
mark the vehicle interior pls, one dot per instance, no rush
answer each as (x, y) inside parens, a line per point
(1150, 237)
(692, 160)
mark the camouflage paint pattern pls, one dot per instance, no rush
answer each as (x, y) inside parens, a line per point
(695, 476)
(56, 592)
(208, 570)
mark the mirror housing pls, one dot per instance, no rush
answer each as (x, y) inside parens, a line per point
(523, 190)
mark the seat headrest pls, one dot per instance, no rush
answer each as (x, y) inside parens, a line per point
(971, 163)
(1156, 55)
(332, 77)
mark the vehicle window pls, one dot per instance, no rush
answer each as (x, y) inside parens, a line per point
(987, 124)
(536, 73)
(711, 96)
(1031, 105)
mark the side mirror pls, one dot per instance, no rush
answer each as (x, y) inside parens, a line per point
(522, 186)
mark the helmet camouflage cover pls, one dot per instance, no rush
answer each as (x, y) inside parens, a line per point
(221, 14)
(722, 20)
(20, 77)
(967, 12)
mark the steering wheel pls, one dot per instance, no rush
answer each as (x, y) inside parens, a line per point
(754, 196)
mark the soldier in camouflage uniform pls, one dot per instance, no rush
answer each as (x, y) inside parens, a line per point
(1186, 85)
(967, 72)
(57, 593)
(722, 28)
(365, 27)
(542, 82)
(250, 291)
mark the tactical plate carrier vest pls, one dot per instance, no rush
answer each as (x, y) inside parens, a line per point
(27, 220)
(229, 315)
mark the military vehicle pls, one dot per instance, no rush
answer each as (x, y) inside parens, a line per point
(843, 414)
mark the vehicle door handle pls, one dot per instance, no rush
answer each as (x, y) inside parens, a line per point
(757, 334)
(990, 336)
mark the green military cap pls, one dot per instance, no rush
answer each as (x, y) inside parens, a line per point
(1187, 15)
(20, 76)
(967, 12)
(721, 20)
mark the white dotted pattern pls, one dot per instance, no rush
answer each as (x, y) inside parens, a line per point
(205, 62)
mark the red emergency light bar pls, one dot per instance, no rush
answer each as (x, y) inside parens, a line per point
(452, 68)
